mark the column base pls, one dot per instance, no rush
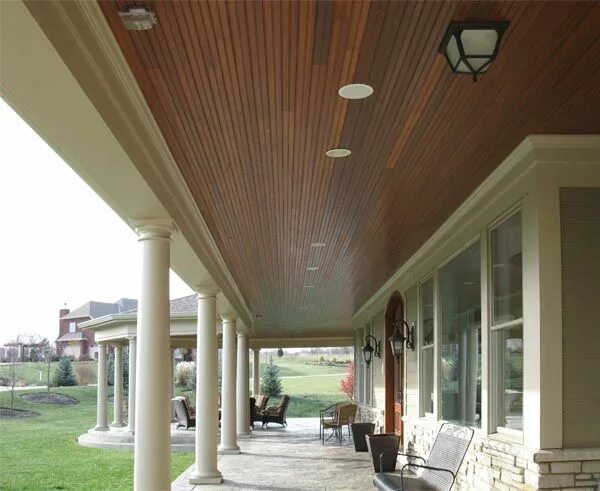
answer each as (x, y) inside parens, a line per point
(229, 450)
(243, 436)
(101, 428)
(117, 425)
(209, 478)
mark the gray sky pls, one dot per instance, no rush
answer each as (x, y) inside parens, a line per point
(60, 243)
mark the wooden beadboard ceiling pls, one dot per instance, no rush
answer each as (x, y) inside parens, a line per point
(246, 96)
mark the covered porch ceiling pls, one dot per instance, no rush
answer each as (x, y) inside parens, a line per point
(245, 96)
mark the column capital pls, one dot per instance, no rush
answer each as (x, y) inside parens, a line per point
(159, 228)
(131, 338)
(229, 317)
(206, 291)
(242, 334)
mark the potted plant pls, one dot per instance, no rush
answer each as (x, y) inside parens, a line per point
(384, 442)
(359, 432)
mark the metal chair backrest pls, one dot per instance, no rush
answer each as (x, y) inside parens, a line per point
(448, 452)
(346, 414)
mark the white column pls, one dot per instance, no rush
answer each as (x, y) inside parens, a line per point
(131, 389)
(118, 387)
(152, 459)
(101, 420)
(228, 374)
(242, 396)
(207, 416)
(256, 372)
(172, 384)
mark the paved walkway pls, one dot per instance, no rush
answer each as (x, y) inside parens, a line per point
(292, 458)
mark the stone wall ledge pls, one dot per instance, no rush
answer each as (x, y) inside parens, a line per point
(566, 455)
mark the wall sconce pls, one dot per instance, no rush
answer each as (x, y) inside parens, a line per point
(402, 334)
(369, 350)
(470, 47)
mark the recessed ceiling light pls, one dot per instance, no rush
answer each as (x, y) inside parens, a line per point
(337, 153)
(355, 91)
(309, 286)
(312, 268)
(317, 244)
(303, 308)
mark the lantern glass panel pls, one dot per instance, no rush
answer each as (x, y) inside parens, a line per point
(480, 42)
(367, 352)
(462, 68)
(452, 51)
(477, 63)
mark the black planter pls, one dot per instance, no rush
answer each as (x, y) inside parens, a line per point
(359, 431)
(385, 442)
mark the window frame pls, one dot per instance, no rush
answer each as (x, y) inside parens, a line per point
(494, 375)
(421, 346)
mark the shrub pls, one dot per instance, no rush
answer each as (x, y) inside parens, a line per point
(86, 374)
(111, 369)
(185, 374)
(347, 383)
(65, 375)
(271, 382)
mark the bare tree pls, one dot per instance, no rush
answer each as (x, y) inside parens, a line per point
(13, 370)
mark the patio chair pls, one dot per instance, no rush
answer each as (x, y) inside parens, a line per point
(345, 415)
(260, 406)
(184, 412)
(439, 470)
(328, 414)
(276, 414)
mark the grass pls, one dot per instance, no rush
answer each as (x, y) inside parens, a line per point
(42, 453)
(30, 371)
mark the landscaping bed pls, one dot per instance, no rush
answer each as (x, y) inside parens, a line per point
(50, 398)
(8, 413)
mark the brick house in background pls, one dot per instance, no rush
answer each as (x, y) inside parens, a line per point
(72, 341)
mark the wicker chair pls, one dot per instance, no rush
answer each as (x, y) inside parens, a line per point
(328, 414)
(184, 412)
(440, 468)
(344, 416)
(259, 407)
(276, 414)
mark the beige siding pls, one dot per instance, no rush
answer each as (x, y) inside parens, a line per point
(580, 225)
(412, 372)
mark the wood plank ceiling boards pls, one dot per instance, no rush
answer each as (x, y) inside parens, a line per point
(245, 94)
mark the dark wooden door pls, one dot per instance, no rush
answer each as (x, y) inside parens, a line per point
(394, 371)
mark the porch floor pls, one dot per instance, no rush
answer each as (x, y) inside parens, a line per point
(288, 459)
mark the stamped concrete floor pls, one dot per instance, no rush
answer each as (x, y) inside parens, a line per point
(284, 459)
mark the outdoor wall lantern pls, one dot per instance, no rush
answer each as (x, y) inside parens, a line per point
(369, 350)
(470, 47)
(402, 334)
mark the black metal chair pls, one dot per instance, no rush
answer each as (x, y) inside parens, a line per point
(439, 470)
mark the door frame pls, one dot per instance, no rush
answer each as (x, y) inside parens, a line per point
(395, 303)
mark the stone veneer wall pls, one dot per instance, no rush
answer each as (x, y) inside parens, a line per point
(369, 414)
(495, 463)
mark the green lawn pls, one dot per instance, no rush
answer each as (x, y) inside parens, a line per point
(42, 453)
(30, 371)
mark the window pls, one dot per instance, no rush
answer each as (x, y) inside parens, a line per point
(72, 326)
(507, 323)
(426, 345)
(460, 320)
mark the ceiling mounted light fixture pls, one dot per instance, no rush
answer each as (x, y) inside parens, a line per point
(337, 153)
(309, 286)
(470, 47)
(355, 91)
(312, 268)
(138, 19)
(317, 244)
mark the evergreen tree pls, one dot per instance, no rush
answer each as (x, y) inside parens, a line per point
(271, 382)
(110, 377)
(65, 375)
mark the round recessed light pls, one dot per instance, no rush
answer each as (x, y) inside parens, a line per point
(355, 91)
(337, 153)
(312, 268)
(317, 244)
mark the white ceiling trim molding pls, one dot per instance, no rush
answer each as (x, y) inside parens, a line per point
(534, 149)
(83, 38)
